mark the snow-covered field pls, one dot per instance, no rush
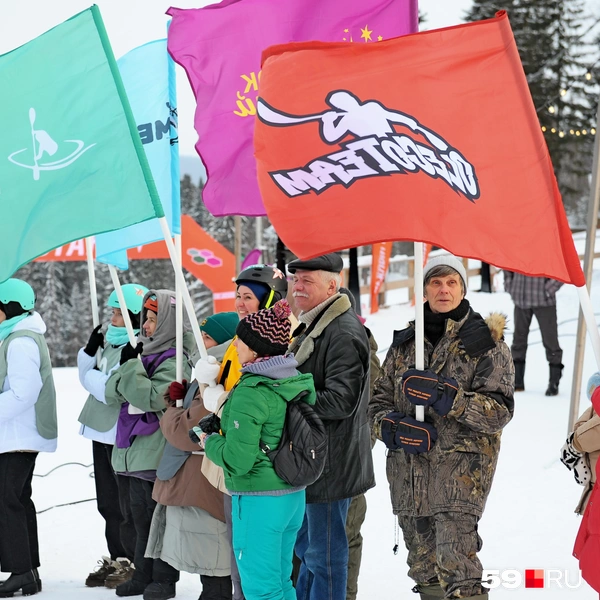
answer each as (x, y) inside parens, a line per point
(528, 523)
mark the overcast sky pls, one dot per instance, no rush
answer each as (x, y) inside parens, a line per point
(130, 23)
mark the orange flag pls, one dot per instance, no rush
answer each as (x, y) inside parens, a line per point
(430, 137)
(379, 267)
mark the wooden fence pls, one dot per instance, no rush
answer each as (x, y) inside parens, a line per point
(364, 272)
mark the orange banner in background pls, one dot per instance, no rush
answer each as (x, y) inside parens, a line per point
(202, 256)
(379, 268)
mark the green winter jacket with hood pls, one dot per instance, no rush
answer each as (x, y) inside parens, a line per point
(254, 411)
(130, 383)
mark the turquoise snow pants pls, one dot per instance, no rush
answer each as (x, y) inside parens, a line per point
(264, 534)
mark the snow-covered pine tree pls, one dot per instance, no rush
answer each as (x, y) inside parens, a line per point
(556, 55)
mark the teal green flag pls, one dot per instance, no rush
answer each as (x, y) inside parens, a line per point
(71, 159)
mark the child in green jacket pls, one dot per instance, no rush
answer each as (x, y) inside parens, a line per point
(267, 512)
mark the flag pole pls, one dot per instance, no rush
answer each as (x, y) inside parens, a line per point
(588, 267)
(586, 318)
(178, 320)
(419, 319)
(132, 410)
(187, 300)
(122, 305)
(89, 255)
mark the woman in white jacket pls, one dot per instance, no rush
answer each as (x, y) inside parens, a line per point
(99, 424)
(28, 425)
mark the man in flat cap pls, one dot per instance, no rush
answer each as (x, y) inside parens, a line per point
(331, 343)
(440, 471)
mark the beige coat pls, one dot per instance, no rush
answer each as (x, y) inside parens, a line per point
(587, 441)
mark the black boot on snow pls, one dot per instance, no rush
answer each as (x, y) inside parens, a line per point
(160, 591)
(133, 587)
(26, 582)
(555, 375)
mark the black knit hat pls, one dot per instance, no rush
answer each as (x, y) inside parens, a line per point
(267, 331)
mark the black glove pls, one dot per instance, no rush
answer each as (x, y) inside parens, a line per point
(95, 342)
(426, 388)
(130, 352)
(210, 423)
(412, 436)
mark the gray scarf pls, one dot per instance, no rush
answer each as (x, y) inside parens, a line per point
(163, 337)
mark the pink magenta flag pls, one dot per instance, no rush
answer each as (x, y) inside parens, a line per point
(220, 48)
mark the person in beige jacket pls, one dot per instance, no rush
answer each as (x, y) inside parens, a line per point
(189, 529)
(586, 439)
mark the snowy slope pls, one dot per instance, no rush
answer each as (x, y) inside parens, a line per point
(528, 524)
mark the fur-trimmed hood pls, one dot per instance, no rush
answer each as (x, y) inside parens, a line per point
(497, 325)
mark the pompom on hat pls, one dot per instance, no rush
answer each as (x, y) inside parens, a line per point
(267, 331)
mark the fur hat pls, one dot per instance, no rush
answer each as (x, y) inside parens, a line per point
(446, 260)
(267, 331)
(220, 327)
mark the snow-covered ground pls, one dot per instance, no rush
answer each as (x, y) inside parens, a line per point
(528, 523)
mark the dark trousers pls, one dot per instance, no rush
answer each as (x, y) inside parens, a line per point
(215, 588)
(356, 517)
(112, 498)
(19, 551)
(147, 570)
(442, 550)
(546, 317)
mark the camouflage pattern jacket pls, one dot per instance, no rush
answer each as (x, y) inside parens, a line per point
(456, 475)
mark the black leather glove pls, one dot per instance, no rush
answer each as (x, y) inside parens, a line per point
(426, 388)
(130, 352)
(95, 342)
(406, 433)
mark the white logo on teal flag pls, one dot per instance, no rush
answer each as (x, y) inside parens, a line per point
(42, 143)
(78, 167)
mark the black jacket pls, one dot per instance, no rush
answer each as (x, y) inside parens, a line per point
(335, 349)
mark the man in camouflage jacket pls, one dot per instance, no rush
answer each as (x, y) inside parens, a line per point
(439, 487)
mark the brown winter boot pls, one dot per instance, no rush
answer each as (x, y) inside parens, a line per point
(98, 576)
(123, 572)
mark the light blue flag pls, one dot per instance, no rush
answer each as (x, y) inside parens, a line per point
(148, 75)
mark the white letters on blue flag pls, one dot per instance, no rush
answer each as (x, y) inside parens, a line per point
(148, 74)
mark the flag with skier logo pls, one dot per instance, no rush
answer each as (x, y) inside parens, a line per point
(71, 159)
(431, 137)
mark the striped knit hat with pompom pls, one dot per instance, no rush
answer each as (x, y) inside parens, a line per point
(267, 331)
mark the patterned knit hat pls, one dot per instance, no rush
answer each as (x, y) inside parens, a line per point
(267, 331)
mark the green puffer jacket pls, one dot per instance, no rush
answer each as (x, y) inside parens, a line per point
(255, 410)
(457, 474)
(130, 383)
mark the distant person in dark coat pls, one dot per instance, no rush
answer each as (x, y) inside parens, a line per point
(535, 296)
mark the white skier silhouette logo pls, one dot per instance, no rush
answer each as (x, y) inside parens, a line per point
(42, 143)
(376, 149)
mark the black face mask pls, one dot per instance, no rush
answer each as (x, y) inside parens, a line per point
(12, 309)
